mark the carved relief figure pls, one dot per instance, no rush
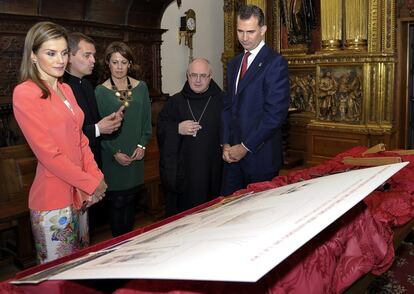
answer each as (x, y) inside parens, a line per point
(297, 99)
(299, 18)
(327, 89)
(310, 86)
(349, 96)
(302, 92)
(354, 97)
(340, 95)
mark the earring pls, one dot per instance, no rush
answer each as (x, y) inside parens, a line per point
(34, 61)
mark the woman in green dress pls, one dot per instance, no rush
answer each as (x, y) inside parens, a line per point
(123, 151)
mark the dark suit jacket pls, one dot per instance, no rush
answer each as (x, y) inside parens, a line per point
(85, 96)
(255, 114)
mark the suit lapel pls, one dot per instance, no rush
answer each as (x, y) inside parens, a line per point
(235, 69)
(63, 106)
(254, 68)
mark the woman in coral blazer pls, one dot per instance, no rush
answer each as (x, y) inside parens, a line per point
(51, 121)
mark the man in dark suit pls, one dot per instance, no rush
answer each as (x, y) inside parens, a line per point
(255, 107)
(81, 63)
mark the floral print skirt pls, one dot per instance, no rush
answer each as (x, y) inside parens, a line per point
(59, 232)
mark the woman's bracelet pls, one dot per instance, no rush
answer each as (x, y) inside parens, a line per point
(140, 146)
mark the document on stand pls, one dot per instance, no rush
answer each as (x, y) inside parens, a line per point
(242, 239)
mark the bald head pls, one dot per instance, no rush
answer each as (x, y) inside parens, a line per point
(199, 62)
(199, 75)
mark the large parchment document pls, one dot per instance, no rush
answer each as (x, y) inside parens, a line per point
(238, 241)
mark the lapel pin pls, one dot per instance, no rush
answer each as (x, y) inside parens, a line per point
(260, 64)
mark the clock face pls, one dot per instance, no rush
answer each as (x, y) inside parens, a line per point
(191, 24)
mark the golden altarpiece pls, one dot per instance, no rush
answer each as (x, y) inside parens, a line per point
(341, 56)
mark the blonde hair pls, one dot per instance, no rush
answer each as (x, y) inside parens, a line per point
(38, 34)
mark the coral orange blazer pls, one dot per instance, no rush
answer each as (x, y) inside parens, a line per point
(55, 135)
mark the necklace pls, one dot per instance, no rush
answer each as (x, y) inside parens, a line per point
(63, 98)
(125, 96)
(202, 113)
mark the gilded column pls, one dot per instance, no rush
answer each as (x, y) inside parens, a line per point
(331, 24)
(276, 26)
(258, 3)
(230, 38)
(356, 24)
(388, 33)
(374, 25)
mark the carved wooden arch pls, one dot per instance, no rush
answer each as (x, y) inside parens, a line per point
(145, 13)
(149, 12)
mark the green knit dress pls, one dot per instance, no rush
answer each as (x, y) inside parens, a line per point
(135, 129)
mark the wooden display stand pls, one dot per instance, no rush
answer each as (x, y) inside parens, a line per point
(17, 170)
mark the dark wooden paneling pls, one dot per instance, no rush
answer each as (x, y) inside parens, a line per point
(147, 12)
(329, 146)
(325, 144)
(136, 22)
(144, 42)
(17, 169)
(296, 139)
(143, 13)
(108, 11)
(22, 7)
(73, 9)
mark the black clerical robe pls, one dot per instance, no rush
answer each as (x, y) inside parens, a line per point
(190, 167)
(85, 96)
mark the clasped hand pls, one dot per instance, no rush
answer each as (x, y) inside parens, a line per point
(233, 153)
(188, 127)
(97, 195)
(125, 160)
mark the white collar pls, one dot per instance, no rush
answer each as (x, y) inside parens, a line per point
(257, 49)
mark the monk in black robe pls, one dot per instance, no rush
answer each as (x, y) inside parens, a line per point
(188, 136)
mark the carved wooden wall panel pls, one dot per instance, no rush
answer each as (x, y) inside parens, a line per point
(136, 22)
(73, 9)
(147, 13)
(145, 44)
(22, 7)
(296, 144)
(108, 11)
(324, 144)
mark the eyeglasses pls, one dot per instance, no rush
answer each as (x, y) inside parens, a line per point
(195, 76)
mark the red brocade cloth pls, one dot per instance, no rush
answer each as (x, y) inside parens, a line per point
(359, 242)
